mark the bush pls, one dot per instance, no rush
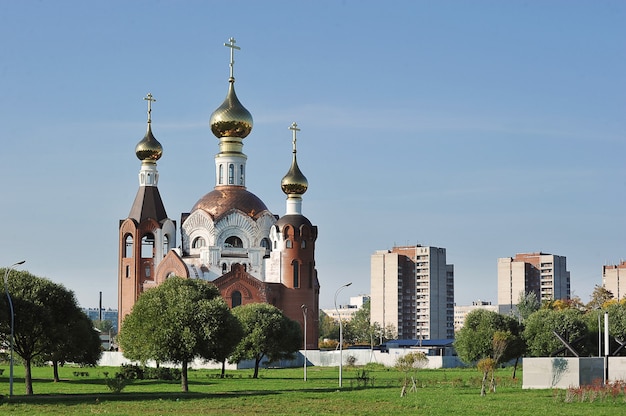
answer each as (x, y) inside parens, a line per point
(135, 372)
(117, 383)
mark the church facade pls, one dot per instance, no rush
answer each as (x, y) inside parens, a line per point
(229, 237)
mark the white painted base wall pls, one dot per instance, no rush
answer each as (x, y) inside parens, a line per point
(314, 358)
(561, 372)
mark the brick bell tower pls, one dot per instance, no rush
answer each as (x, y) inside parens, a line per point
(147, 234)
(295, 236)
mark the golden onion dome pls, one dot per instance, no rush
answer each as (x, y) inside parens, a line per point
(294, 182)
(149, 148)
(231, 119)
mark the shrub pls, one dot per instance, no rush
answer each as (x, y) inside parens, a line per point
(117, 383)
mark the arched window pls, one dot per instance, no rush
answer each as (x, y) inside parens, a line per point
(233, 241)
(166, 244)
(128, 246)
(231, 174)
(241, 178)
(221, 175)
(224, 268)
(235, 299)
(198, 243)
(147, 246)
(296, 273)
(303, 244)
(288, 244)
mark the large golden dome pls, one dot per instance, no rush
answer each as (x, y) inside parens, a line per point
(149, 149)
(231, 119)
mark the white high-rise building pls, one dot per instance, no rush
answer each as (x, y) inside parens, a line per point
(614, 279)
(544, 274)
(412, 289)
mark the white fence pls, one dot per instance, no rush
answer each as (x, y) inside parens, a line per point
(314, 358)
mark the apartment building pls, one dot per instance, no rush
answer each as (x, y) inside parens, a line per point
(412, 289)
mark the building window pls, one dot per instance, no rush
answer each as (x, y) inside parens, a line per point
(224, 268)
(127, 271)
(233, 241)
(128, 246)
(198, 243)
(231, 174)
(303, 244)
(147, 246)
(147, 272)
(166, 244)
(221, 174)
(296, 273)
(288, 243)
(241, 178)
(235, 299)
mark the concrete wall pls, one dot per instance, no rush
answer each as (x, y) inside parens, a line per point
(314, 358)
(559, 372)
(617, 368)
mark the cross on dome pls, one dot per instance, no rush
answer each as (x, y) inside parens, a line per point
(150, 100)
(294, 128)
(232, 46)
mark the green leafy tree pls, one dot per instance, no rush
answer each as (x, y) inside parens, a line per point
(177, 321)
(268, 333)
(329, 328)
(359, 326)
(617, 319)
(77, 342)
(527, 304)
(409, 364)
(474, 340)
(227, 336)
(45, 316)
(539, 336)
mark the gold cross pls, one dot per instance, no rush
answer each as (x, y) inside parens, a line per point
(295, 129)
(150, 100)
(231, 45)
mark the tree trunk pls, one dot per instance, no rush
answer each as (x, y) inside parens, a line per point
(55, 370)
(28, 380)
(515, 367)
(183, 377)
(484, 385)
(257, 362)
(223, 369)
(492, 384)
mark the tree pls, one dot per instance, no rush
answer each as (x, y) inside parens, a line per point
(485, 366)
(527, 304)
(329, 327)
(78, 342)
(541, 325)
(177, 321)
(229, 334)
(359, 327)
(599, 297)
(474, 340)
(406, 363)
(44, 314)
(268, 333)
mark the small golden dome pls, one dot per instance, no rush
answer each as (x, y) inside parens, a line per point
(231, 119)
(294, 182)
(149, 148)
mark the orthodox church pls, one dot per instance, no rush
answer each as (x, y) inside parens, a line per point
(229, 238)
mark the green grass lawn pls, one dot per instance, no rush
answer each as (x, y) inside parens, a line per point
(284, 392)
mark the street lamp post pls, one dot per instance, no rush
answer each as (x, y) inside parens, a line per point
(340, 333)
(304, 311)
(6, 288)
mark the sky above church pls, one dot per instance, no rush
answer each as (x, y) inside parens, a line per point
(489, 128)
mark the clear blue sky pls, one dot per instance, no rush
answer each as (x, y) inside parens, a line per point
(486, 127)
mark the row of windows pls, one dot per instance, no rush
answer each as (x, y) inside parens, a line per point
(235, 242)
(231, 174)
(147, 246)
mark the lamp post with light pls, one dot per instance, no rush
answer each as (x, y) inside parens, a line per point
(304, 311)
(6, 288)
(340, 333)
